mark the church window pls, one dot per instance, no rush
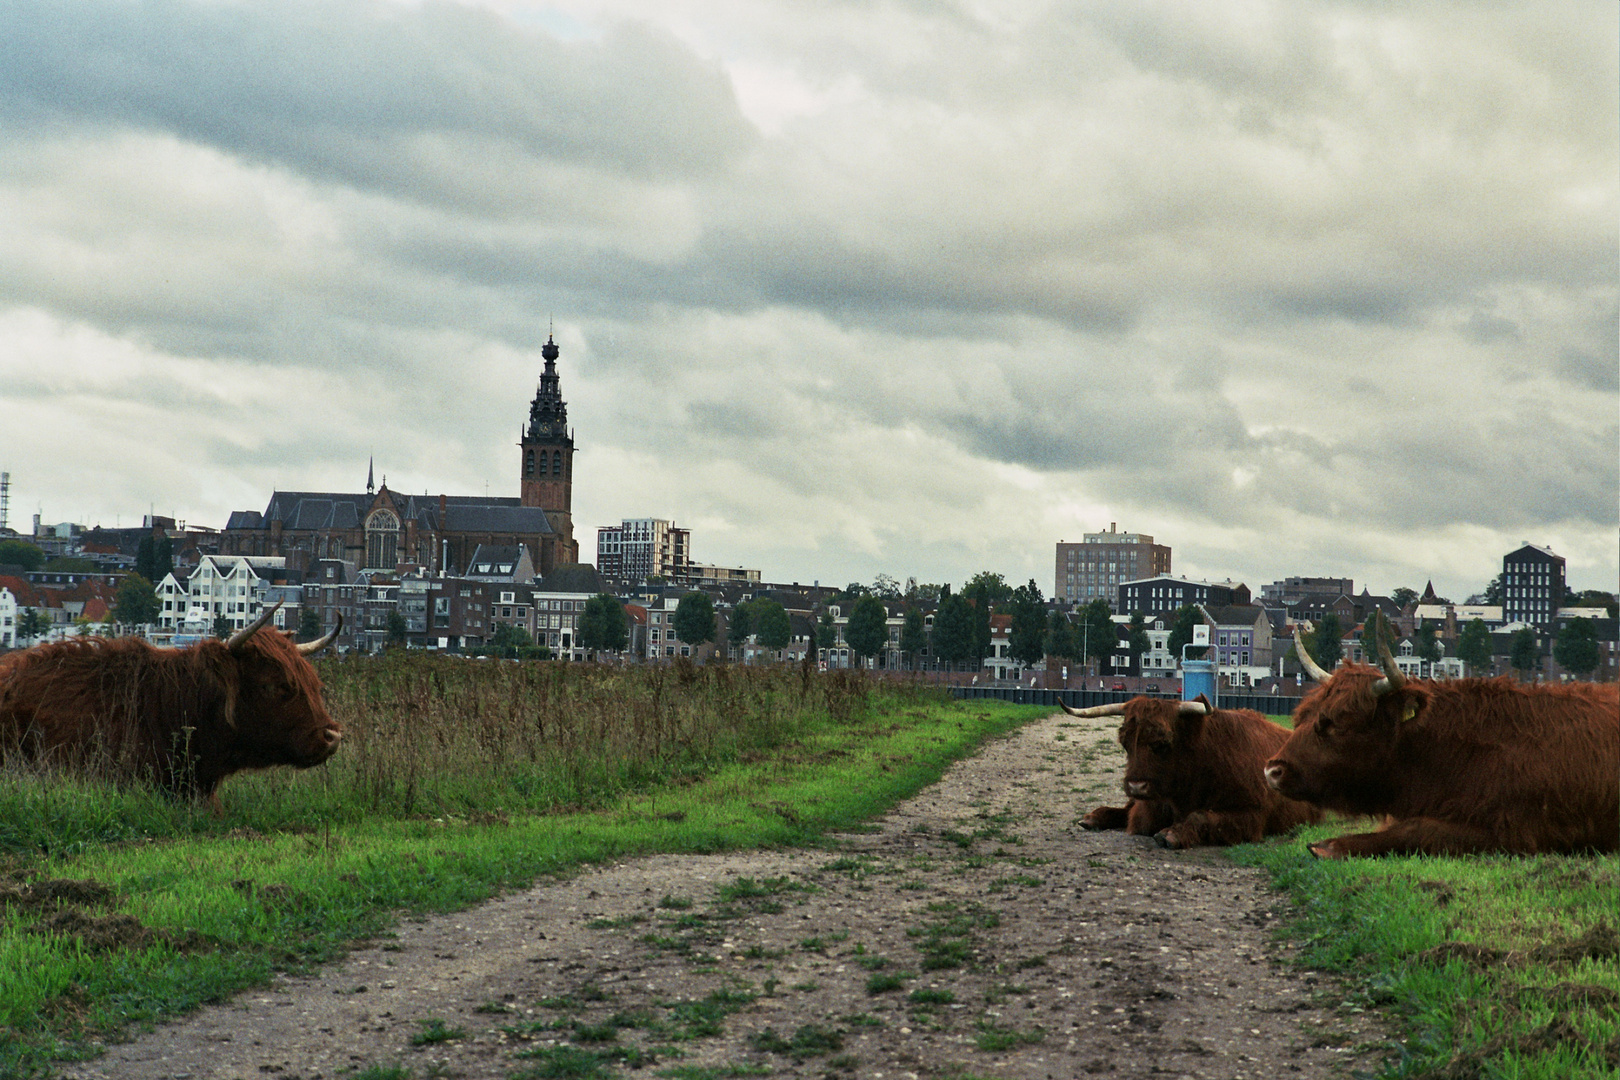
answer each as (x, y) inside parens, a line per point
(528, 464)
(556, 463)
(382, 540)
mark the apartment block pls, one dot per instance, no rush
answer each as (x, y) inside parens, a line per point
(1532, 585)
(640, 548)
(1096, 566)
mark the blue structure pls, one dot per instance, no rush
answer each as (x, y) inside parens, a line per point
(1198, 677)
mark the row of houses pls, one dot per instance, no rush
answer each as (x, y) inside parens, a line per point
(1250, 642)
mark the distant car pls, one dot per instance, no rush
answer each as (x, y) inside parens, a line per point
(1119, 684)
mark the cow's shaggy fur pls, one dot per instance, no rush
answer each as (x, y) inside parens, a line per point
(181, 719)
(1196, 779)
(1462, 766)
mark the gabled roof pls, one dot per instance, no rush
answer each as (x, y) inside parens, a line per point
(573, 578)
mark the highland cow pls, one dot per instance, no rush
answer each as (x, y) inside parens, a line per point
(180, 719)
(1193, 774)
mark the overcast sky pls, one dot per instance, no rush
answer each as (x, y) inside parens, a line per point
(903, 287)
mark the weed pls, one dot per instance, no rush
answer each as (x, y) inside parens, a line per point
(433, 1031)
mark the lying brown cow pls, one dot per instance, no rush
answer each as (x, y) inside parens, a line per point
(1193, 774)
(1464, 766)
(182, 719)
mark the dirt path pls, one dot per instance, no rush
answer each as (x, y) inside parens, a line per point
(977, 932)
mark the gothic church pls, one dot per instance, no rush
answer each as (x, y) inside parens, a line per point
(388, 531)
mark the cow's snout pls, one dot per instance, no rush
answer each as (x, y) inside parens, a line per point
(331, 736)
(1275, 771)
(1137, 789)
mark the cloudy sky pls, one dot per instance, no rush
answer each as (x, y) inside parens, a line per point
(911, 287)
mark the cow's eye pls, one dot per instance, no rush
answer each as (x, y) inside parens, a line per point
(1324, 725)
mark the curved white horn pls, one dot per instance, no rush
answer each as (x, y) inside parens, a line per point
(1393, 679)
(1196, 708)
(310, 648)
(1312, 668)
(238, 639)
(1113, 708)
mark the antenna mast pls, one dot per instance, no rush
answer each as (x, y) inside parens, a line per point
(5, 496)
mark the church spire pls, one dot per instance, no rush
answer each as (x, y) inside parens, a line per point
(371, 470)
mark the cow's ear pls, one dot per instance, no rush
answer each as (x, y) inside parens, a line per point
(1188, 726)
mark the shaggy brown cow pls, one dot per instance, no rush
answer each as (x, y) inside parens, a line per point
(182, 719)
(1193, 774)
(1463, 766)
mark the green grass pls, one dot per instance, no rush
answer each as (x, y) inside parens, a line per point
(1490, 966)
(447, 793)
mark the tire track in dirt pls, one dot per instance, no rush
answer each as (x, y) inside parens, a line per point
(976, 932)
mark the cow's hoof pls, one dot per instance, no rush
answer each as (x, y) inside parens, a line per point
(1325, 849)
(1089, 825)
(1162, 838)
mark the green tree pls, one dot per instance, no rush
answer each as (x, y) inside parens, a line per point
(694, 619)
(913, 635)
(1137, 639)
(1061, 639)
(986, 591)
(32, 623)
(602, 625)
(738, 627)
(309, 622)
(154, 557)
(1474, 646)
(1098, 635)
(1493, 591)
(1027, 637)
(136, 603)
(885, 587)
(70, 564)
(1403, 596)
(926, 592)
(1576, 648)
(397, 628)
(222, 627)
(773, 627)
(1376, 628)
(508, 640)
(1426, 642)
(953, 631)
(1587, 598)
(1525, 652)
(867, 630)
(1326, 641)
(21, 553)
(826, 631)
(1181, 633)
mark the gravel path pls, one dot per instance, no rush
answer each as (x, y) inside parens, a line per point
(976, 932)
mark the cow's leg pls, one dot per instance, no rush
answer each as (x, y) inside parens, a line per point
(1409, 836)
(1108, 817)
(1149, 816)
(1214, 828)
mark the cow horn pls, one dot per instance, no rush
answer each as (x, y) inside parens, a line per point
(1312, 668)
(310, 648)
(1393, 679)
(1113, 708)
(238, 639)
(1194, 708)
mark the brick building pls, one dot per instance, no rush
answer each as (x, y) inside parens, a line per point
(1102, 561)
(384, 530)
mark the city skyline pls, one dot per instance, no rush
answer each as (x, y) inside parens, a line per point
(1323, 289)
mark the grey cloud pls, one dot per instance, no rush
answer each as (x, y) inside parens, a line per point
(348, 89)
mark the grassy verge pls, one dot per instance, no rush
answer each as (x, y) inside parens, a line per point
(1494, 967)
(118, 909)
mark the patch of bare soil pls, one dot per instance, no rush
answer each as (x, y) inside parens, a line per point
(977, 932)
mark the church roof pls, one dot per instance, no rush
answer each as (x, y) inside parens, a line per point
(573, 578)
(316, 510)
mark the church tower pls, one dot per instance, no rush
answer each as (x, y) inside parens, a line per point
(548, 457)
